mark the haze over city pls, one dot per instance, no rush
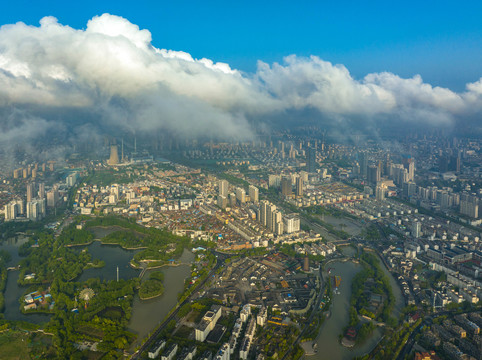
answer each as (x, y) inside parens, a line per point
(111, 74)
(215, 181)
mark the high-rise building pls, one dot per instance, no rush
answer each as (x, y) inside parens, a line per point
(399, 174)
(274, 181)
(223, 188)
(269, 216)
(41, 190)
(363, 162)
(444, 199)
(282, 149)
(222, 201)
(469, 205)
(20, 206)
(373, 174)
(253, 193)
(52, 198)
(232, 199)
(114, 156)
(286, 186)
(292, 153)
(380, 192)
(416, 229)
(33, 210)
(304, 176)
(411, 171)
(241, 195)
(277, 222)
(42, 203)
(311, 160)
(10, 211)
(30, 191)
(409, 189)
(299, 186)
(291, 223)
(263, 212)
(71, 179)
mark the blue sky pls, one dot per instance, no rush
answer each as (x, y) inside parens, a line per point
(440, 40)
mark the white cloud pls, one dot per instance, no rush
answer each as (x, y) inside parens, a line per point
(112, 68)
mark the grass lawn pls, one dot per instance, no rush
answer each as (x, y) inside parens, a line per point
(193, 316)
(184, 332)
(14, 345)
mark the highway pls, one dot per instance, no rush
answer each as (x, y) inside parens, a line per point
(221, 258)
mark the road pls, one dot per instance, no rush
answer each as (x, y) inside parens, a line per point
(221, 258)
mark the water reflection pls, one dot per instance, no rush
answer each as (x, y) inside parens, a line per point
(146, 315)
(328, 341)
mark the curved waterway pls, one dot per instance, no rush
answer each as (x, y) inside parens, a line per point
(13, 291)
(329, 347)
(146, 315)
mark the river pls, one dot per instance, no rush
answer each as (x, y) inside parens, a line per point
(147, 314)
(328, 341)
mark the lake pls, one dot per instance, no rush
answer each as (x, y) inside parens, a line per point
(146, 315)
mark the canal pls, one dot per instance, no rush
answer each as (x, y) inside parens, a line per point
(13, 291)
(328, 340)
